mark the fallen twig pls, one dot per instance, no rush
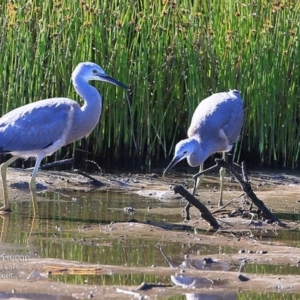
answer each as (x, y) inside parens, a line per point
(55, 164)
(221, 208)
(204, 212)
(246, 186)
(94, 180)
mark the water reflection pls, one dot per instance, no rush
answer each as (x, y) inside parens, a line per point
(112, 279)
(229, 295)
(273, 269)
(191, 281)
(226, 295)
(33, 296)
(59, 233)
(195, 263)
(64, 239)
(212, 296)
(104, 249)
(106, 206)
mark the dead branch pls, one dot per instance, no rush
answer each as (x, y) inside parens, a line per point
(55, 164)
(94, 181)
(204, 212)
(246, 187)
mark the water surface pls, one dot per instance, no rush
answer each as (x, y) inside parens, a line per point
(67, 230)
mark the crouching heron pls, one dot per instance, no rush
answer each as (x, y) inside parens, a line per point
(215, 127)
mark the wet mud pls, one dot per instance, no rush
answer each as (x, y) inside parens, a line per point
(245, 255)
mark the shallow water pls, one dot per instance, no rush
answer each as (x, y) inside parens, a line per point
(63, 232)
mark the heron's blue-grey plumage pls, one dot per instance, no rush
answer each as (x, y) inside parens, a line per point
(41, 128)
(216, 124)
(215, 127)
(36, 125)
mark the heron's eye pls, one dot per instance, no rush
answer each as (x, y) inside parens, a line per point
(184, 152)
(94, 71)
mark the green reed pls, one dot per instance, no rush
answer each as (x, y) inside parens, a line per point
(172, 54)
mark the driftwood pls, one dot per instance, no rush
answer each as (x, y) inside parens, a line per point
(204, 212)
(55, 164)
(245, 185)
(94, 181)
(70, 161)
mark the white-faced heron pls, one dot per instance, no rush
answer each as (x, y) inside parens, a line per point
(215, 127)
(40, 128)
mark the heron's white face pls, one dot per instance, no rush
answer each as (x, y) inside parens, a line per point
(183, 149)
(91, 71)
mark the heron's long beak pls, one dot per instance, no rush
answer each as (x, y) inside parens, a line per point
(174, 161)
(111, 80)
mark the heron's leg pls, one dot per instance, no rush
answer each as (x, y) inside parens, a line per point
(195, 177)
(32, 228)
(222, 175)
(199, 178)
(32, 184)
(4, 228)
(3, 169)
(197, 182)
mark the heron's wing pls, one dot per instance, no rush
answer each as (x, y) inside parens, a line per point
(36, 125)
(216, 117)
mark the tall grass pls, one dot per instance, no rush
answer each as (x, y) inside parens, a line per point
(172, 54)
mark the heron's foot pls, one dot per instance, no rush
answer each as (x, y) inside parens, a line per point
(220, 202)
(5, 210)
(187, 216)
(187, 212)
(186, 220)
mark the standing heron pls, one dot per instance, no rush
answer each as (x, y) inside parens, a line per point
(215, 127)
(40, 128)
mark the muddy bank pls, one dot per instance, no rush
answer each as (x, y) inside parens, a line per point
(269, 187)
(220, 281)
(245, 236)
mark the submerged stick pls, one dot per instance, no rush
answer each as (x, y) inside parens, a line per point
(94, 181)
(204, 212)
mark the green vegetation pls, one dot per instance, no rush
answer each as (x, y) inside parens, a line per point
(172, 54)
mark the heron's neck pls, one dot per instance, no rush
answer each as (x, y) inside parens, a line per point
(199, 155)
(92, 100)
